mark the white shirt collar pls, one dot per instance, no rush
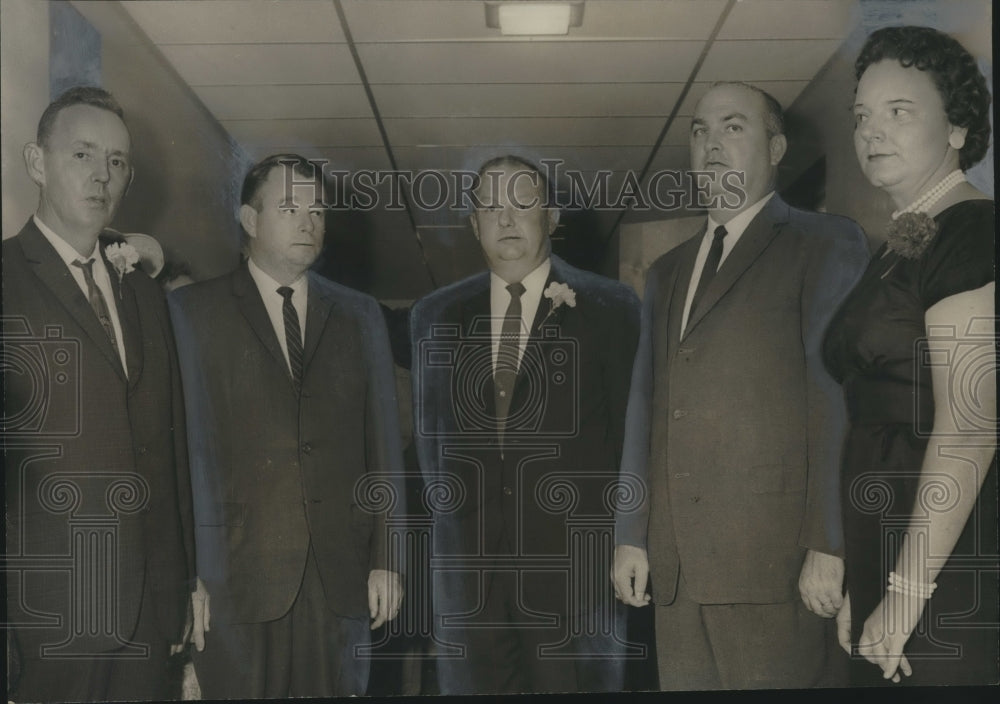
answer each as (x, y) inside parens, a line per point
(63, 248)
(533, 283)
(268, 286)
(740, 222)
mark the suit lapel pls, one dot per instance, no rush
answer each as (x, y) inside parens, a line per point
(251, 305)
(318, 306)
(542, 319)
(128, 317)
(54, 274)
(678, 289)
(752, 243)
(475, 322)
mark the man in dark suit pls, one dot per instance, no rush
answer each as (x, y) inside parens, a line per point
(100, 556)
(520, 385)
(293, 423)
(734, 424)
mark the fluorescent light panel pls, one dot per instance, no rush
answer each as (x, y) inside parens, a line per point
(534, 18)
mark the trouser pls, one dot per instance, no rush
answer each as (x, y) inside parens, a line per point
(738, 646)
(309, 652)
(103, 678)
(503, 653)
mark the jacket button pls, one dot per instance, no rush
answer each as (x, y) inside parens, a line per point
(685, 350)
(507, 491)
(306, 448)
(679, 413)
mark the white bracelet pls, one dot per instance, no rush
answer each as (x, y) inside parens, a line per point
(901, 585)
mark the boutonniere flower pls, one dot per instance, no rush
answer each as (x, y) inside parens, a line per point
(123, 258)
(558, 294)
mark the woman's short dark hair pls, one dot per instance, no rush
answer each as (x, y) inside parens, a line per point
(962, 86)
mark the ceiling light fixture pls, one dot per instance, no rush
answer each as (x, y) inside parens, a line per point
(525, 17)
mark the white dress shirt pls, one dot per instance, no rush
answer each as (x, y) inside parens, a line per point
(101, 278)
(734, 230)
(274, 301)
(500, 297)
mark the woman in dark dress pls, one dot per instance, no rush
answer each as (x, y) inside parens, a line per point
(913, 347)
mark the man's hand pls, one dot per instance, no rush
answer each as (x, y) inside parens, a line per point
(200, 601)
(385, 592)
(844, 624)
(821, 583)
(630, 573)
(188, 626)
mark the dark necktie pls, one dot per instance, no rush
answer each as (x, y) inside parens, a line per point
(711, 266)
(507, 353)
(293, 334)
(97, 301)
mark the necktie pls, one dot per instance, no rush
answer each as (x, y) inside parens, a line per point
(507, 353)
(711, 266)
(97, 301)
(293, 334)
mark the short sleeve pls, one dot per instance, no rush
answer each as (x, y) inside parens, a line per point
(962, 254)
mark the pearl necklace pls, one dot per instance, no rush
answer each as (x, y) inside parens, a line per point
(924, 202)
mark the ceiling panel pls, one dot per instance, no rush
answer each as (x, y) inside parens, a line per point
(526, 100)
(671, 156)
(572, 157)
(597, 131)
(340, 158)
(236, 21)
(766, 60)
(300, 134)
(529, 62)
(422, 20)
(250, 64)
(800, 19)
(280, 102)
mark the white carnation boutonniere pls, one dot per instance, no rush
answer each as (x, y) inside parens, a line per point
(123, 258)
(558, 294)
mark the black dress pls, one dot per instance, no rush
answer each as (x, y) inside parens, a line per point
(875, 347)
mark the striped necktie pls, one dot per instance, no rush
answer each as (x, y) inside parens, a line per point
(293, 334)
(97, 301)
(507, 354)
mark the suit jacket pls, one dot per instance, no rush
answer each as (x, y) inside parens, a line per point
(275, 469)
(736, 428)
(562, 442)
(88, 449)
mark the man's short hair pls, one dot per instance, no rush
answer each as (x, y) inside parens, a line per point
(255, 178)
(512, 160)
(78, 95)
(774, 116)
